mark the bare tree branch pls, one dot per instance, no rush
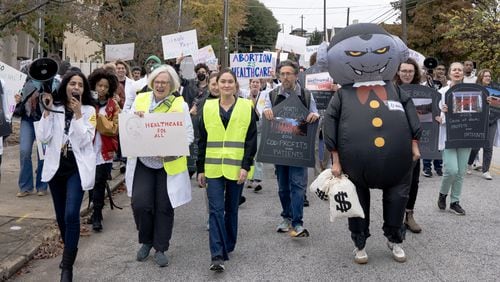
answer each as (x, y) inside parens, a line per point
(18, 16)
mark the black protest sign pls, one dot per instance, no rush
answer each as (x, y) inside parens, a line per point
(494, 93)
(288, 139)
(319, 83)
(5, 128)
(426, 100)
(467, 116)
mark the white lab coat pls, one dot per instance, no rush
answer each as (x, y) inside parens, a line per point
(179, 185)
(81, 133)
(130, 93)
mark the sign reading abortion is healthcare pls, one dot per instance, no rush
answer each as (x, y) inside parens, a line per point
(288, 139)
(252, 65)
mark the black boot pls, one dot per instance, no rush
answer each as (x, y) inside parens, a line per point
(69, 256)
(97, 220)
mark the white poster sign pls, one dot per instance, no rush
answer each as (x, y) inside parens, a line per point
(123, 52)
(204, 55)
(288, 42)
(250, 65)
(309, 51)
(283, 57)
(319, 82)
(419, 58)
(179, 44)
(153, 135)
(13, 83)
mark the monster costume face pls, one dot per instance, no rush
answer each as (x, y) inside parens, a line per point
(364, 52)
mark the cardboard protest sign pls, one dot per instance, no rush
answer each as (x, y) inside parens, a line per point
(467, 117)
(288, 139)
(13, 83)
(288, 42)
(309, 51)
(5, 128)
(320, 85)
(179, 44)
(251, 65)
(153, 135)
(419, 58)
(124, 52)
(426, 101)
(203, 55)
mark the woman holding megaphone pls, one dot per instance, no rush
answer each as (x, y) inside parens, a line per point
(67, 128)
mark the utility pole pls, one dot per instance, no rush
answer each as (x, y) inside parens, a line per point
(403, 21)
(348, 12)
(180, 17)
(226, 39)
(324, 21)
(302, 25)
(283, 28)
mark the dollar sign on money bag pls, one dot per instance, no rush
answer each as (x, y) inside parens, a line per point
(343, 204)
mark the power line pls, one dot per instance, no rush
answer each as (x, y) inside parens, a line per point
(383, 14)
(320, 8)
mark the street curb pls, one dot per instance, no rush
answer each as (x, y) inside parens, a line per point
(26, 252)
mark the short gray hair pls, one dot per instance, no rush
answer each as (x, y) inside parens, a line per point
(174, 78)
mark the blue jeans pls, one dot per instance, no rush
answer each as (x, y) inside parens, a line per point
(292, 183)
(27, 137)
(223, 201)
(67, 195)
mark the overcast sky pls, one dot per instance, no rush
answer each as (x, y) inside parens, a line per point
(288, 12)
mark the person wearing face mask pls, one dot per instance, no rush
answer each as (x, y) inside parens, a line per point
(104, 84)
(70, 162)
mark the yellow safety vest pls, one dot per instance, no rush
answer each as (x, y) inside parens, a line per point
(226, 146)
(142, 103)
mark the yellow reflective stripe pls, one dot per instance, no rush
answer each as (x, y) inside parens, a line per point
(215, 161)
(227, 144)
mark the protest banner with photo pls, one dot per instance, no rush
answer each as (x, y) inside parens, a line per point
(179, 44)
(426, 101)
(291, 43)
(288, 139)
(309, 51)
(124, 52)
(153, 135)
(13, 83)
(495, 103)
(467, 117)
(320, 85)
(251, 65)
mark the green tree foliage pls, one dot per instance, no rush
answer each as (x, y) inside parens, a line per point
(261, 30)
(316, 38)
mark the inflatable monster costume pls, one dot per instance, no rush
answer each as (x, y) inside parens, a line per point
(371, 123)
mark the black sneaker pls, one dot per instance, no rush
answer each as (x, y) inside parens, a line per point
(427, 173)
(217, 265)
(456, 208)
(306, 202)
(439, 172)
(242, 200)
(442, 201)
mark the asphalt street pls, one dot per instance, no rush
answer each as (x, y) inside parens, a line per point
(450, 247)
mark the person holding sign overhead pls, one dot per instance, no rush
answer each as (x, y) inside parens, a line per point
(454, 159)
(158, 184)
(67, 127)
(226, 149)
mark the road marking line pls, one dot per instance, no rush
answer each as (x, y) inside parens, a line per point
(22, 217)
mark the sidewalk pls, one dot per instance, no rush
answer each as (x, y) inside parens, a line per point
(25, 222)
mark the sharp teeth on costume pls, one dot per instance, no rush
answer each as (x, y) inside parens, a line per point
(382, 70)
(358, 72)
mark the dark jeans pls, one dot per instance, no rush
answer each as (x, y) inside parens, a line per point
(487, 150)
(292, 183)
(67, 195)
(414, 186)
(223, 200)
(153, 212)
(102, 172)
(438, 164)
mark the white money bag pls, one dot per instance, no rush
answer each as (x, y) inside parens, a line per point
(344, 201)
(321, 185)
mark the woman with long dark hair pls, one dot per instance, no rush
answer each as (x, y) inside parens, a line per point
(67, 127)
(104, 83)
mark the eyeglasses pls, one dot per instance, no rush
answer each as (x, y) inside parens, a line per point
(161, 83)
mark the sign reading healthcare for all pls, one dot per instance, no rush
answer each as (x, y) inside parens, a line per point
(251, 65)
(153, 135)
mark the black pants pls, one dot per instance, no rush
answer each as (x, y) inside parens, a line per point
(394, 200)
(414, 186)
(101, 177)
(153, 212)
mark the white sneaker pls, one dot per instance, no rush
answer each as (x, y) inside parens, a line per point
(469, 169)
(487, 175)
(398, 254)
(360, 256)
